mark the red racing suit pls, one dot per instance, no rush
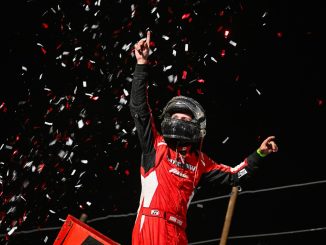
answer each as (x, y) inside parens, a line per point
(169, 177)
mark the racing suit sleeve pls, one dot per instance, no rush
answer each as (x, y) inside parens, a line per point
(141, 113)
(225, 174)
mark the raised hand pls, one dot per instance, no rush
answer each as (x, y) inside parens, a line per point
(268, 146)
(142, 49)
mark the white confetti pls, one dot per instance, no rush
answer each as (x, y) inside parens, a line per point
(71, 156)
(213, 59)
(233, 43)
(126, 47)
(153, 10)
(94, 27)
(119, 107)
(62, 154)
(226, 139)
(171, 78)
(167, 68)
(80, 123)
(125, 91)
(123, 101)
(22, 197)
(69, 141)
(12, 230)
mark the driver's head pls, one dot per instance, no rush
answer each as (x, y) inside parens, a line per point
(184, 120)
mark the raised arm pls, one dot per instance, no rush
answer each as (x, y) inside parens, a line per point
(139, 107)
(139, 83)
(231, 175)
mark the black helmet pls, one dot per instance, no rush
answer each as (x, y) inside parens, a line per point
(183, 131)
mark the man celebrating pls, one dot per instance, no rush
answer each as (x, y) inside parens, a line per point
(172, 162)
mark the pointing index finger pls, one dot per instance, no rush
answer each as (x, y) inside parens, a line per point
(148, 38)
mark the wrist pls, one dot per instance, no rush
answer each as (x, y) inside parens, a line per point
(260, 153)
(142, 62)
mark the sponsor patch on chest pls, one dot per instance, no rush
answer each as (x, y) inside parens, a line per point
(183, 165)
(178, 173)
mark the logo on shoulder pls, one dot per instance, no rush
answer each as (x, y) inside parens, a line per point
(242, 173)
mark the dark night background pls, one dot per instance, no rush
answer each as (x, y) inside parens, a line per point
(67, 141)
